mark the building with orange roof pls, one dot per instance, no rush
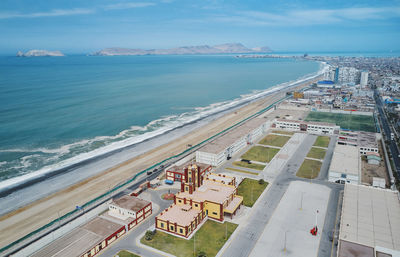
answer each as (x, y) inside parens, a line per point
(201, 196)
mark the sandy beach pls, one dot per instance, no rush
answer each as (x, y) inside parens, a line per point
(20, 222)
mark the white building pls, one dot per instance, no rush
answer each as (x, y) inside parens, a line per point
(224, 147)
(127, 207)
(345, 165)
(307, 126)
(370, 222)
(364, 78)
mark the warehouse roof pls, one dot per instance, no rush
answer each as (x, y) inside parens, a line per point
(80, 240)
(221, 143)
(370, 217)
(346, 160)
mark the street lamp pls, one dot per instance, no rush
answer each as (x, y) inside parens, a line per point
(301, 201)
(284, 247)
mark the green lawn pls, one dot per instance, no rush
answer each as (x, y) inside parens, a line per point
(125, 253)
(260, 154)
(347, 121)
(309, 169)
(209, 239)
(250, 189)
(322, 141)
(316, 153)
(254, 166)
(242, 171)
(283, 132)
(274, 140)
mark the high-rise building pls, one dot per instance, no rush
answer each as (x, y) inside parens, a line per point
(348, 75)
(364, 78)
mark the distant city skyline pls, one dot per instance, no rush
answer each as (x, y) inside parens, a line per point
(86, 26)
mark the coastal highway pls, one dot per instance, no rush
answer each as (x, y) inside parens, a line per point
(387, 130)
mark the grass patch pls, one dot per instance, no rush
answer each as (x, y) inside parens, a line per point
(125, 253)
(309, 169)
(251, 189)
(322, 141)
(242, 171)
(253, 166)
(347, 121)
(316, 153)
(209, 240)
(260, 154)
(274, 140)
(283, 132)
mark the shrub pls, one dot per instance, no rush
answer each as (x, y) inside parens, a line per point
(261, 181)
(149, 235)
(201, 254)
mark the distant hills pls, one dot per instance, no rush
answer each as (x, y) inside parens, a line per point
(230, 48)
(36, 53)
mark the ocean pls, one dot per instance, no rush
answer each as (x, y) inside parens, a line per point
(55, 111)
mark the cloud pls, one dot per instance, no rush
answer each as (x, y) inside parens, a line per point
(75, 11)
(308, 17)
(52, 13)
(119, 6)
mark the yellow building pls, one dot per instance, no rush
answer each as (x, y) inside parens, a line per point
(215, 197)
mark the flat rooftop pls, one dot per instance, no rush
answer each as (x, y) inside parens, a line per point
(346, 160)
(79, 240)
(370, 217)
(221, 143)
(130, 203)
(180, 167)
(183, 215)
(367, 139)
(222, 178)
(211, 191)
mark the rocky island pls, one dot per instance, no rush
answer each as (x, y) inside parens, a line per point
(230, 48)
(37, 53)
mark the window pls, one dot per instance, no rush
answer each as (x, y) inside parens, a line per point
(181, 231)
(215, 213)
(171, 228)
(196, 205)
(162, 225)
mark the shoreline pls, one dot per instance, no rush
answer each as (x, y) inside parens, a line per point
(8, 186)
(32, 216)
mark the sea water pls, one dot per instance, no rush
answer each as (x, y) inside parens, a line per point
(64, 109)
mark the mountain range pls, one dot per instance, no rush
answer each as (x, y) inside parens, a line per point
(37, 53)
(229, 48)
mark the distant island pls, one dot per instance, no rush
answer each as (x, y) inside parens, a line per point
(230, 48)
(37, 53)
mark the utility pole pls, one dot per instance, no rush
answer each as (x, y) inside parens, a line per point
(284, 247)
(226, 230)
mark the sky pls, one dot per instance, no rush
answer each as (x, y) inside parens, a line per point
(76, 26)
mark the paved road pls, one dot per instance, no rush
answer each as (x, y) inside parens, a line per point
(128, 242)
(386, 127)
(245, 239)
